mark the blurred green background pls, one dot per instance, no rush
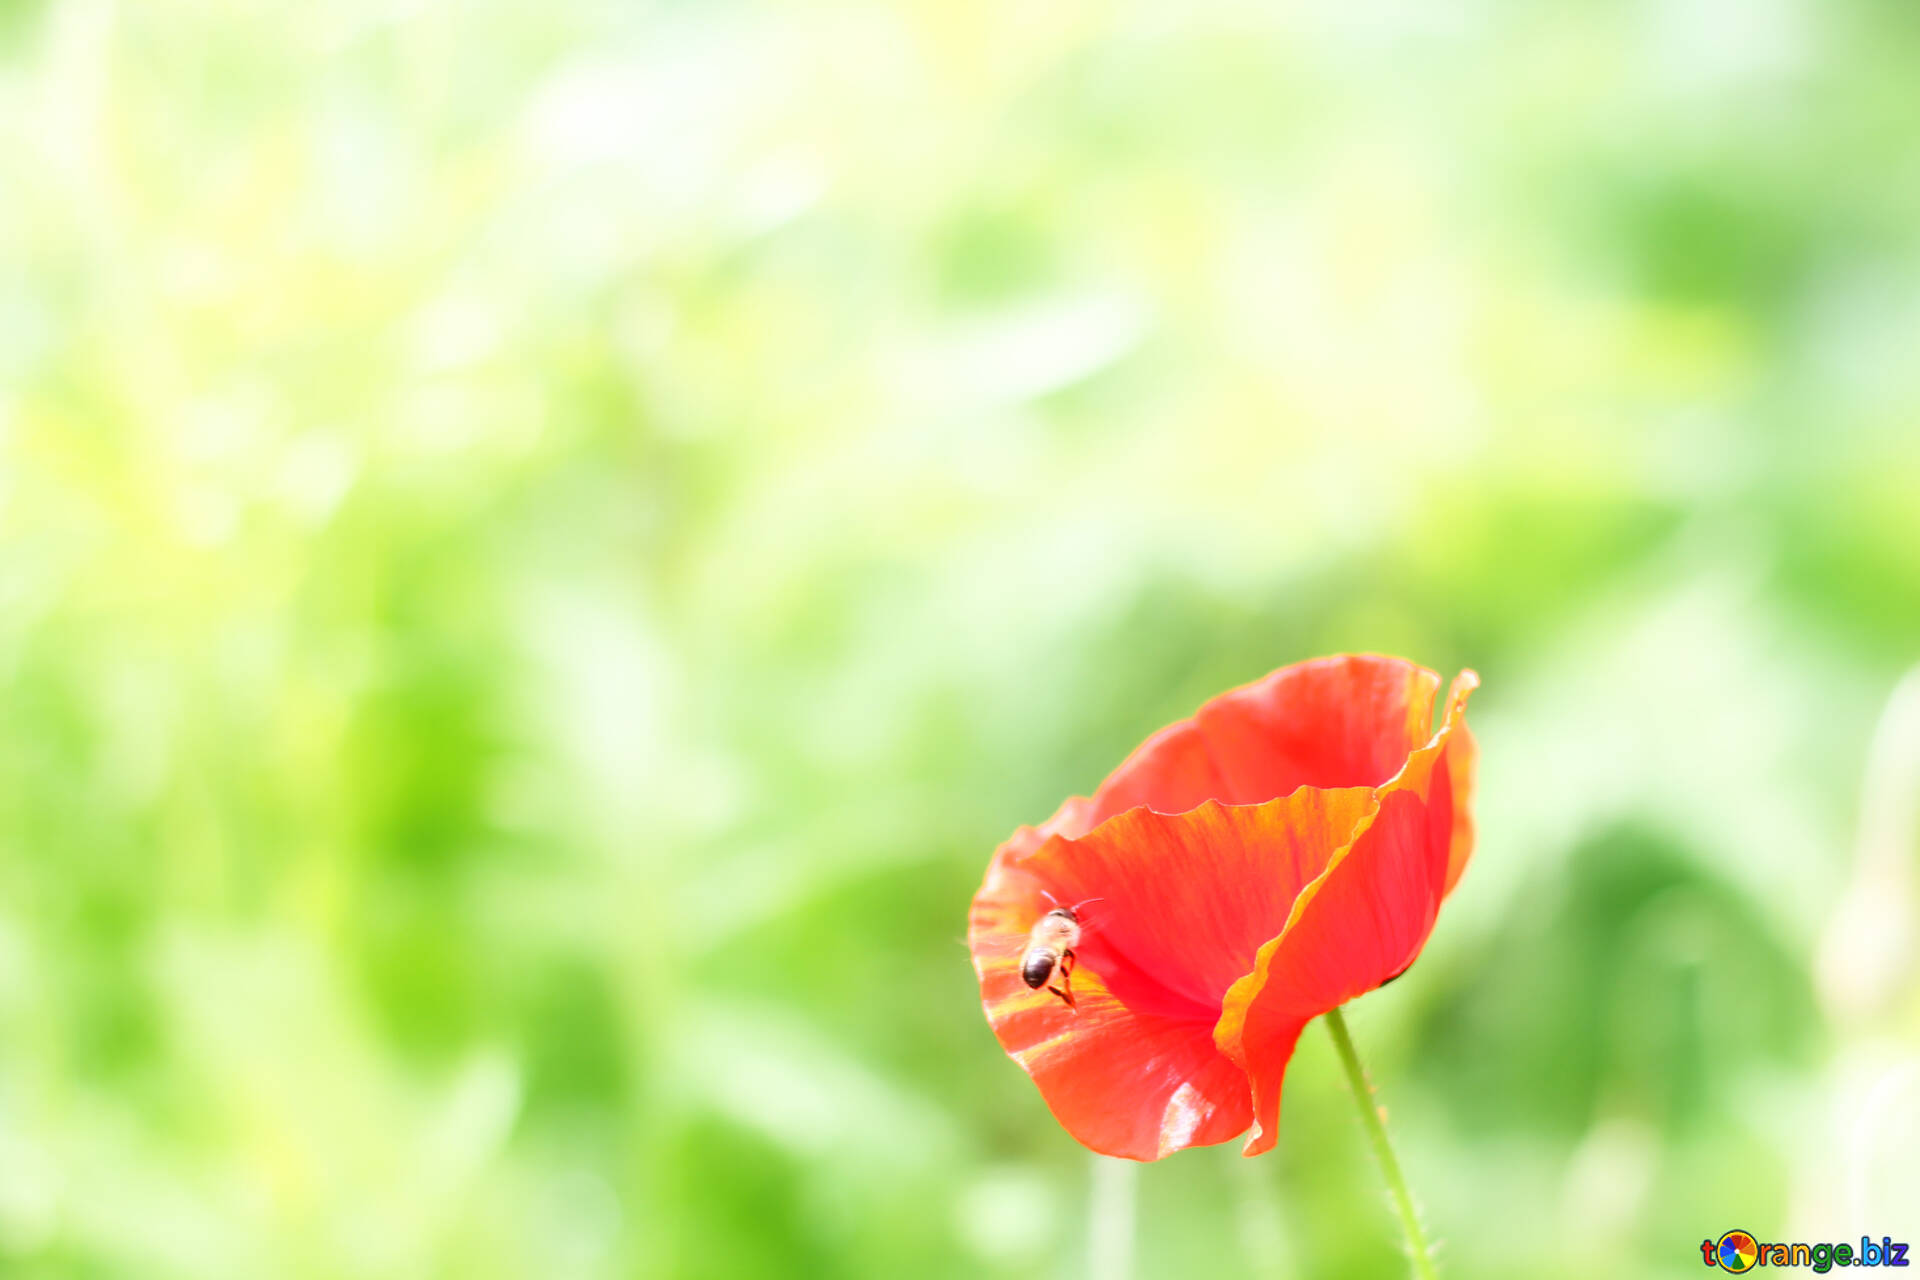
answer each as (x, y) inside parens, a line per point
(544, 545)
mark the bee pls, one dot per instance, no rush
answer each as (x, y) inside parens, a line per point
(1050, 946)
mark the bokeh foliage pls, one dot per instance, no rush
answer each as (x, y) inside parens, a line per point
(545, 543)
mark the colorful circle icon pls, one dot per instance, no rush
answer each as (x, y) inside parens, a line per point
(1737, 1251)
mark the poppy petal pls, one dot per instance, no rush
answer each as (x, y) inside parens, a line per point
(1347, 721)
(1125, 1081)
(1463, 764)
(1363, 920)
(1177, 908)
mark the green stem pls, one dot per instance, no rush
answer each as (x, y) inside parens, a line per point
(1382, 1149)
(1110, 1224)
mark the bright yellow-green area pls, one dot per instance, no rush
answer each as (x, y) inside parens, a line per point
(543, 544)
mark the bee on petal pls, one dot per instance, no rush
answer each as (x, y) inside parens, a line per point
(1050, 949)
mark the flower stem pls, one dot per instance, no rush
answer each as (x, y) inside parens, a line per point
(1110, 1224)
(1382, 1149)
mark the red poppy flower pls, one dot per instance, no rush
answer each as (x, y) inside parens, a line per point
(1278, 854)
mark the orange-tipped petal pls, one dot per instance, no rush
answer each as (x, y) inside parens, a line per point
(1463, 764)
(1347, 721)
(1363, 921)
(1181, 905)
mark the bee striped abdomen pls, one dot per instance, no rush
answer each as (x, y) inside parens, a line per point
(1037, 966)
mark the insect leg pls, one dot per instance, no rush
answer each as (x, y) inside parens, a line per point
(1065, 989)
